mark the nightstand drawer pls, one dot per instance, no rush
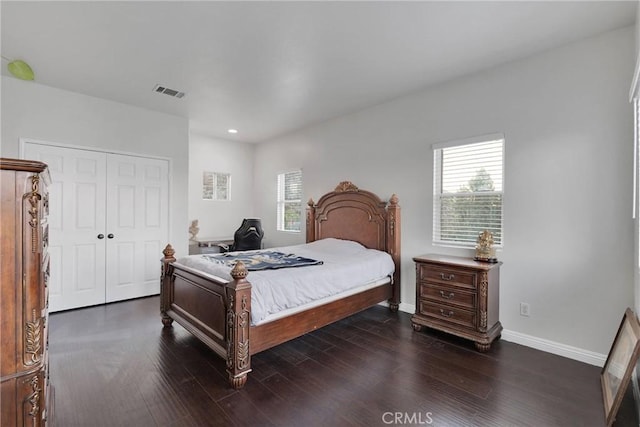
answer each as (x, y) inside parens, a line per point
(448, 295)
(447, 276)
(448, 314)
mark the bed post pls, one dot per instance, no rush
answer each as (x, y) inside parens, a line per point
(311, 221)
(238, 325)
(165, 288)
(393, 247)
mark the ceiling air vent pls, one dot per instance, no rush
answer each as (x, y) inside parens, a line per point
(167, 91)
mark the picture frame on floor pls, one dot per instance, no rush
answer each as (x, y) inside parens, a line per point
(621, 360)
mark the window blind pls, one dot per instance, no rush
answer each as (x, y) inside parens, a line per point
(289, 201)
(468, 191)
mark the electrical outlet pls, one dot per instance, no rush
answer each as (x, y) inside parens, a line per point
(524, 309)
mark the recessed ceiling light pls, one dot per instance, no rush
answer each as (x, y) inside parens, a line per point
(233, 131)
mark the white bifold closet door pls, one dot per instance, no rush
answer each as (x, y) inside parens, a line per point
(108, 223)
(137, 218)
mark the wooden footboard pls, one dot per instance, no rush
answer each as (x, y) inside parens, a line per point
(215, 311)
(270, 334)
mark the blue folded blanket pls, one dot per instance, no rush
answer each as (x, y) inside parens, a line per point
(262, 260)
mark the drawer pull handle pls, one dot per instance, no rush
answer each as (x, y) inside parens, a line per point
(449, 314)
(449, 277)
(446, 296)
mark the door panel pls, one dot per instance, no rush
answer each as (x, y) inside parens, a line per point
(126, 200)
(86, 195)
(125, 258)
(151, 250)
(152, 207)
(85, 265)
(76, 218)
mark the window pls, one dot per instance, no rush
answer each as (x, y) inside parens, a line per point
(468, 185)
(290, 201)
(636, 149)
(216, 186)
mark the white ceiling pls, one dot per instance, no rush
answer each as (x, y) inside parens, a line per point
(268, 68)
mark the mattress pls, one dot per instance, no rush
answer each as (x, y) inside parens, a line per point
(346, 266)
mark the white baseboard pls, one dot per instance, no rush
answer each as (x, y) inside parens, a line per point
(575, 353)
(407, 308)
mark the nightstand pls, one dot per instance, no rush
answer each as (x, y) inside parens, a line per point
(459, 296)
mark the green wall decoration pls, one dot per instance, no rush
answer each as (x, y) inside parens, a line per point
(19, 69)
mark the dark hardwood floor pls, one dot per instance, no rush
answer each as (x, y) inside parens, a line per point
(115, 365)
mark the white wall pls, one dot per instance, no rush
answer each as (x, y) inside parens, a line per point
(31, 110)
(635, 92)
(220, 218)
(637, 27)
(568, 228)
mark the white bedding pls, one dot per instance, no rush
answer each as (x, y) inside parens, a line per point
(346, 265)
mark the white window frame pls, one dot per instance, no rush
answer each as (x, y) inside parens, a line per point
(636, 148)
(634, 98)
(210, 187)
(636, 188)
(439, 194)
(282, 203)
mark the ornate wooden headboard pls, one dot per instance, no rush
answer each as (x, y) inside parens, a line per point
(354, 214)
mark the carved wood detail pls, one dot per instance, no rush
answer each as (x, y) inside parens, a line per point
(169, 253)
(393, 202)
(32, 401)
(238, 325)
(484, 284)
(311, 216)
(346, 186)
(34, 198)
(231, 320)
(32, 328)
(482, 347)
(33, 340)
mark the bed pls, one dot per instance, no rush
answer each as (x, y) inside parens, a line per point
(217, 309)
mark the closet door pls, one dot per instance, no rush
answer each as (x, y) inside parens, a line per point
(76, 224)
(137, 225)
(108, 224)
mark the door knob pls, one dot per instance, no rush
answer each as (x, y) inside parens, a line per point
(110, 236)
(100, 236)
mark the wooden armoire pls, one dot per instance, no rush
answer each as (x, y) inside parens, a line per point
(26, 397)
